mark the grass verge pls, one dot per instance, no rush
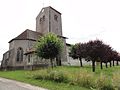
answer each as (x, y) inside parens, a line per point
(76, 76)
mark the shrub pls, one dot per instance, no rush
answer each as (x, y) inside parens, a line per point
(57, 76)
(116, 80)
(103, 83)
(84, 79)
(41, 74)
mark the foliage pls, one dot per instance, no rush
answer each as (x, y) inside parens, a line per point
(49, 46)
(72, 74)
(95, 51)
(84, 79)
(53, 75)
(58, 76)
(116, 80)
(78, 51)
(73, 51)
(103, 83)
(41, 74)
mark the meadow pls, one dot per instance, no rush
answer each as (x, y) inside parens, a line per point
(69, 78)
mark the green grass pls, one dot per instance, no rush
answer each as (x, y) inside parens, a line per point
(23, 76)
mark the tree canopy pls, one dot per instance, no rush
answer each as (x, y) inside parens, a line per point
(49, 46)
(95, 51)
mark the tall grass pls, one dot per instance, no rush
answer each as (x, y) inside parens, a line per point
(48, 74)
(116, 80)
(106, 79)
(101, 80)
(84, 79)
(104, 83)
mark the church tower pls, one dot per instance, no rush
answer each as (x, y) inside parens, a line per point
(49, 20)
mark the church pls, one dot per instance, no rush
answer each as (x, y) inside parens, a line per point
(21, 53)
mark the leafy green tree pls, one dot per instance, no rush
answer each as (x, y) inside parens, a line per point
(49, 47)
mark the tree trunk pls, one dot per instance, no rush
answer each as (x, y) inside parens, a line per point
(58, 61)
(51, 61)
(106, 65)
(101, 65)
(110, 64)
(80, 62)
(93, 65)
(117, 62)
(113, 63)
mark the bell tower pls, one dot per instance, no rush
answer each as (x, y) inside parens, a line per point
(49, 20)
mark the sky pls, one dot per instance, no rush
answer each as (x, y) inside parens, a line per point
(82, 20)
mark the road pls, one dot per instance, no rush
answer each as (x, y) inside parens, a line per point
(6, 84)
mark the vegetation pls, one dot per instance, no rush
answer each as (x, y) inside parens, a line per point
(78, 51)
(49, 47)
(95, 51)
(69, 78)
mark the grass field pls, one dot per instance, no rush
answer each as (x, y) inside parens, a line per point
(24, 76)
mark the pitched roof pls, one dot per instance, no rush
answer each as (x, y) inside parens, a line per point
(54, 9)
(27, 35)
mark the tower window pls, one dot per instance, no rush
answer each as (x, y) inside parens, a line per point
(55, 17)
(42, 19)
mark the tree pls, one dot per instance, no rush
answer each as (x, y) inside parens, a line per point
(49, 46)
(92, 52)
(78, 51)
(96, 52)
(73, 51)
(114, 57)
(107, 55)
(81, 52)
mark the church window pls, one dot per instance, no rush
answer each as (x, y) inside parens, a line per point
(29, 58)
(19, 54)
(44, 18)
(55, 17)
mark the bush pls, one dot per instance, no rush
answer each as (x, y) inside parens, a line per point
(84, 79)
(57, 76)
(41, 74)
(103, 83)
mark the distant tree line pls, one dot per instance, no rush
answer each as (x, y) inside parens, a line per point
(95, 51)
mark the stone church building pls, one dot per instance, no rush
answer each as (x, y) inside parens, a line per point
(21, 53)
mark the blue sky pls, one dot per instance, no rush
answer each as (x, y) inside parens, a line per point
(82, 20)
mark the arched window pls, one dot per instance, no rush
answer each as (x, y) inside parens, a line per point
(19, 54)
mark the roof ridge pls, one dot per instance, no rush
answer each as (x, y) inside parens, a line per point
(25, 35)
